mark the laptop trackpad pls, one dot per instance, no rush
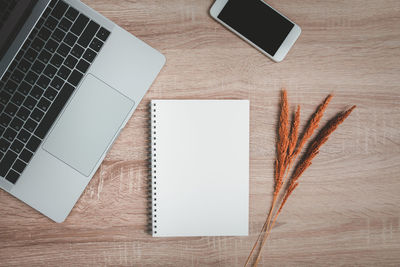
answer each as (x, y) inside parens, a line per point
(88, 125)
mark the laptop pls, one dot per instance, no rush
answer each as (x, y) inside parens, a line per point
(70, 81)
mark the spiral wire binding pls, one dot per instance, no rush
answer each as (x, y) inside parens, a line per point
(153, 166)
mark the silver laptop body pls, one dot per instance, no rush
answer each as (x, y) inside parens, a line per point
(92, 118)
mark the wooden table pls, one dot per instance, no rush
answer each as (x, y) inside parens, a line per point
(346, 210)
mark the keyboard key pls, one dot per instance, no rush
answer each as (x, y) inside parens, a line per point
(72, 13)
(12, 176)
(24, 88)
(70, 62)
(88, 34)
(16, 124)
(46, 12)
(13, 65)
(79, 24)
(57, 60)
(9, 134)
(4, 120)
(6, 75)
(77, 51)
(23, 113)
(45, 56)
(4, 145)
(59, 10)
(44, 33)
(17, 99)
(20, 54)
(65, 24)
(30, 125)
(51, 46)
(83, 65)
(17, 146)
(37, 115)
(51, 23)
(7, 162)
(26, 44)
(11, 87)
(30, 102)
(33, 34)
(38, 66)
(19, 166)
(30, 55)
(53, 3)
(17, 76)
(37, 92)
(58, 35)
(37, 44)
(26, 155)
(43, 104)
(54, 110)
(89, 55)
(75, 77)
(4, 78)
(33, 143)
(63, 72)
(24, 65)
(50, 93)
(11, 109)
(103, 34)
(50, 71)
(63, 49)
(23, 136)
(57, 83)
(96, 44)
(31, 77)
(43, 82)
(1, 130)
(39, 23)
(70, 39)
(4, 97)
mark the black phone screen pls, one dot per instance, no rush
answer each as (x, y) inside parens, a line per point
(257, 22)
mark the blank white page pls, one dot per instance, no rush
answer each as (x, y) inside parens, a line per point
(200, 167)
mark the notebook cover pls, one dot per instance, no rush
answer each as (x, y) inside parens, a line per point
(200, 167)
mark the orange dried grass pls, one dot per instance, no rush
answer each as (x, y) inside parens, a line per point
(293, 134)
(313, 150)
(283, 141)
(280, 161)
(288, 148)
(290, 157)
(313, 124)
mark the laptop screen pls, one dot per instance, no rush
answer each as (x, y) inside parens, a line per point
(13, 15)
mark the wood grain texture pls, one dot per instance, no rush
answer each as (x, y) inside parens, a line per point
(346, 210)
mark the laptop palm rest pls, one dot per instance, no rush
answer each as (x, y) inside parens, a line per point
(88, 125)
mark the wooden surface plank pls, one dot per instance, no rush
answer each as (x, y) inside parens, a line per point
(347, 207)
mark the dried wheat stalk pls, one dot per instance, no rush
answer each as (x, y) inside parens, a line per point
(289, 146)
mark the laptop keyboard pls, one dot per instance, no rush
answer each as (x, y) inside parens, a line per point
(41, 79)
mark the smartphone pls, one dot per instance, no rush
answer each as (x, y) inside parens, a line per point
(260, 25)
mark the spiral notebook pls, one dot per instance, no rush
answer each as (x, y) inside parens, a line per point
(200, 167)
